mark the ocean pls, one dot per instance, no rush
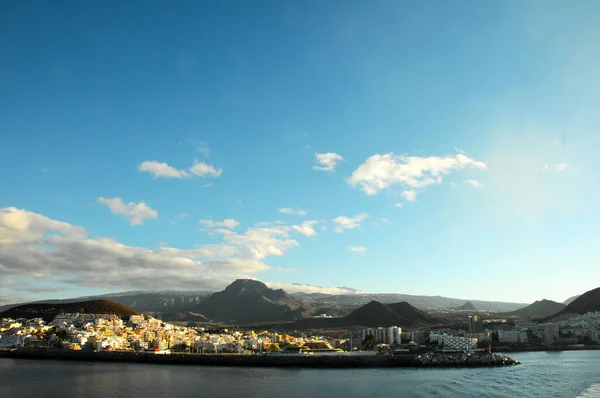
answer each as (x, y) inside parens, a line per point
(542, 374)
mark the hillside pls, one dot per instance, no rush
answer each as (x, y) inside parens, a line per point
(247, 300)
(163, 302)
(48, 311)
(414, 316)
(468, 306)
(374, 314)
(539, 309)
(571, 299)
(589, 301)
(340, 304)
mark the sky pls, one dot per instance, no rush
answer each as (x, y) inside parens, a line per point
(422, 147)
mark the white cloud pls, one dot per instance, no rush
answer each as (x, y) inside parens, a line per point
(160, 169)
(287, 210)
(344, 223)
(200, 146)
(357, 249)
(32, 245)
(35, 245)
(555, 167)
(19, 226)
(453, 185)
(379, 172)
(136, 213)
(399, 204)
(227, 223)
(208, 185)
(305, 288)
(410, 195)
(306, 228)
(327, 161)
(205, 170)
(385, 219)
(280, 269)
(474, 183)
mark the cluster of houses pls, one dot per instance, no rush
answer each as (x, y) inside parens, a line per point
(142, 333)
(571, 331)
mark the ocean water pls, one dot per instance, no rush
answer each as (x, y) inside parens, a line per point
(555, 374)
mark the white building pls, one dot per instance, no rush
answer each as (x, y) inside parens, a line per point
(436, 337)
(550, 333)
(512, 336)
(452, 343)
(394, 335)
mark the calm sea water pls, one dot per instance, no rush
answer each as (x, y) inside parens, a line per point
(561, 374)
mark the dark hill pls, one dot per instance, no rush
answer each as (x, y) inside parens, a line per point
(162, 302)
(374, 314)
(571, 299)
(414, 315)
(468, 306)
(539, 309)
(247, 300)
(588, 301)
(48, 311)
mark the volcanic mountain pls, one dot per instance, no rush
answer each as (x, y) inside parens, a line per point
(468, 306)
(375, 314)
(49, 311)
(539, 309)
(397, 314)
(587, 302)
(247, 300)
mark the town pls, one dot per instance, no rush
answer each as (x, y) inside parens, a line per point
(145, 334)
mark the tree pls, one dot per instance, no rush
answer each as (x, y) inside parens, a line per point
(369, 342)
(274, 347)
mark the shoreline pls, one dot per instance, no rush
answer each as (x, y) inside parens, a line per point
(297, 361)
(546, 349)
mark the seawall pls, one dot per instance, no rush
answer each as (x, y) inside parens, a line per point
(305, 361)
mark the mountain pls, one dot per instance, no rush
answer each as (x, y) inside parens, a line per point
(588, 301)
(247, 300)
(571, 299)
(340, 304)
(539, 309)
(163, 302)
(468, 306)
(48, 311)
(374, 314)
(155, 302)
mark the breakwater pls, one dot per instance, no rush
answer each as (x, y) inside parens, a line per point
(305, 361)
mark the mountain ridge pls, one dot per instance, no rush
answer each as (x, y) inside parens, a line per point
(48, 311)
(538, 309)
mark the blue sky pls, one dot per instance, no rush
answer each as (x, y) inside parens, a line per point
(440, 148)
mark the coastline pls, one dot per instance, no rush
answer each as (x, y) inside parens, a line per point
(546, 349)
(299, 361)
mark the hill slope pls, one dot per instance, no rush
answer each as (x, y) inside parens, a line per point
(344, 303)
(588, 301)
(48, 311)
(163, 302)
(539, 309)
(571, 299)
(247, 300)
(374, 314)
(468, 306)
